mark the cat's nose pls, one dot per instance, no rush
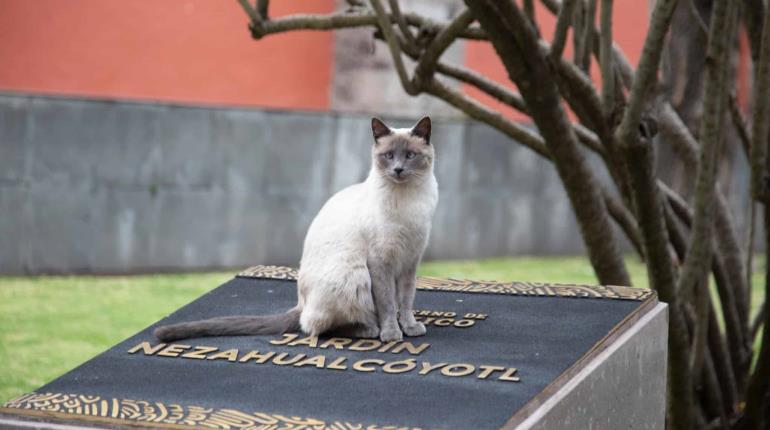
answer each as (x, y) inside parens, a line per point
(398, 170)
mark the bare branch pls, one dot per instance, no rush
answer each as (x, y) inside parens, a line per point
(761, 121)
(754, 12)
(625, 220)
(623, 66)
(660, 271)
(758, 320)
(529, 10)
(605, 59)
(342, 20)
(678, 204)
(701, 302)
(722, 361)
(512, 99)
(676, 133)
(395, 49)
(262, 6)
(712, 393)
(759, 383)
(250, 11)
(646, 73)
(480, 112)
(650, 214)
(589, 139)
(583, 59)
(507, 96)
(516, 43)
(740, 125)
(727, 239)
(427, 64)
(696, 15)
(562, 26)
(620, 60)
(716, 345)
(395, 9)
(488, 86)
(699, 255)
(751, 233)
(731, 288)
(578, 12)
(581, 94)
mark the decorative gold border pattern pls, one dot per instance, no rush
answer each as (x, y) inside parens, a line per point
(161, 415)
(489, 287)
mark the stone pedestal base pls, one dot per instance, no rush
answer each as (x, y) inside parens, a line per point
(514, 355)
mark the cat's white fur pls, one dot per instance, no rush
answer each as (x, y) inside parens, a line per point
(376, 218)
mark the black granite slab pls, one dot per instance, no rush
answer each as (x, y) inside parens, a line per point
(540, 336)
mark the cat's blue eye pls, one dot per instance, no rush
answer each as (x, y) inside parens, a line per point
(410, 155)
(389, 155)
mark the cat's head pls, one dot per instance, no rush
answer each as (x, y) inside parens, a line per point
(402, 155)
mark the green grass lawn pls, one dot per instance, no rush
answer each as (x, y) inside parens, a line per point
(50, 324)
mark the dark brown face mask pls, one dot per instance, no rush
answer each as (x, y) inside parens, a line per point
(402, 155)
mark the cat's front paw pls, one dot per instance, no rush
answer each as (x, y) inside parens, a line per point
(416, 329)
(390, 334)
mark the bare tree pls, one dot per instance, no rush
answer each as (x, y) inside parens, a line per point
(686, 239)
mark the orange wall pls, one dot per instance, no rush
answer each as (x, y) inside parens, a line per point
(195, 51)
(629, 28)
(199, 51)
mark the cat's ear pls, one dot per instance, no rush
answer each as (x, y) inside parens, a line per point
(379, 129)
(422, 129)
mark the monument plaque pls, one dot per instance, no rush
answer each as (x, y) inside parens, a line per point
(496, 355)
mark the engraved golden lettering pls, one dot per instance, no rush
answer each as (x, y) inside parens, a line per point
(461, 369)
(475, 316)
(446, 319)
(427, 367)
(199, 352)
(281, 360)
(414, 350)
(318, 361)
(336, 342)
(311, 341)
(173, 350)
(230, 355)
(464, 323)
(509, 375)
(147, 348)
(387, 346)
(487, 370)
(399, 366)
(367, 365)
(365, 345)
(287, 337)
(338, 364)
(443, 322)
(362, 365)
(255, 355)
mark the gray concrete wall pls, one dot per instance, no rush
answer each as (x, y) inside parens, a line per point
(105, 186)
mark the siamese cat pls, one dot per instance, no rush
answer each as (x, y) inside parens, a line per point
(357, 273)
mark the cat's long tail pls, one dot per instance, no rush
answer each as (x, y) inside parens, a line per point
(231, 326)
